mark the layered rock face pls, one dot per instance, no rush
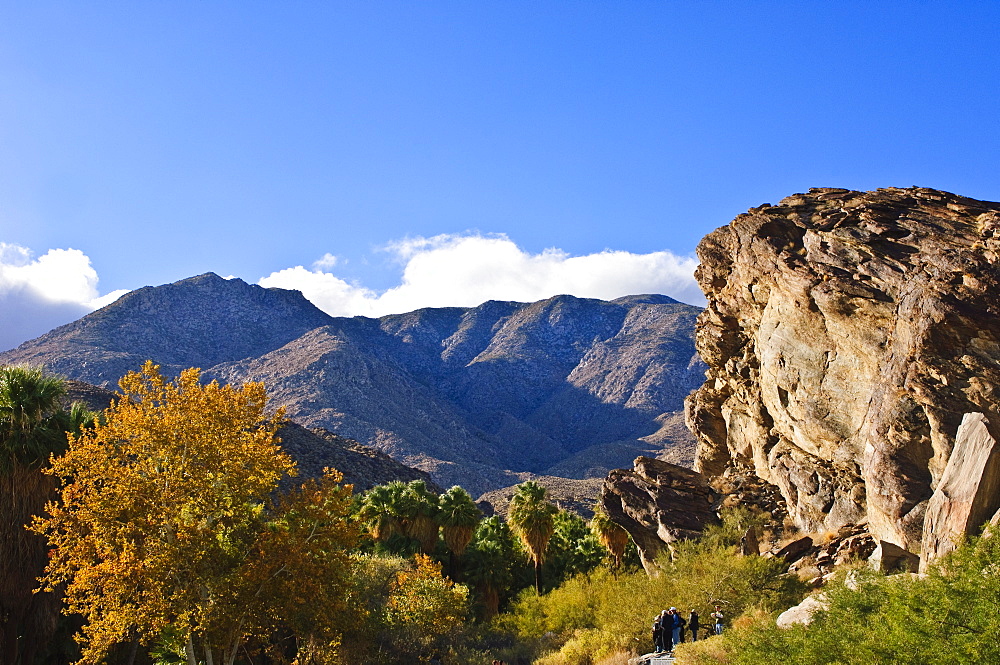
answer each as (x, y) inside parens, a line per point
(847, 333)
(658, 503)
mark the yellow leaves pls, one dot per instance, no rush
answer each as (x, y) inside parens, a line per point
(424, 599)
(165, 520)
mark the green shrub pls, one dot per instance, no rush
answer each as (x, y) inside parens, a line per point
(949, 616)
(595, 615)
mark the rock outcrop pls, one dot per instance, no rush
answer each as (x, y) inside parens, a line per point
(968, 493)
(658, 503)
(846, 335)
(888, 558)
(804, 611)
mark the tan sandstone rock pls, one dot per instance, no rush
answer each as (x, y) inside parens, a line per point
(888, 558)
(969, 491)
(658, 503)
(846, 334)
(803, 612)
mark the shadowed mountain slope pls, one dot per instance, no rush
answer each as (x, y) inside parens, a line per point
(312, 449)
(482, 397)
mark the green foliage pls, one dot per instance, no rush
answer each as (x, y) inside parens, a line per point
(493, 565)
(33, 423)
(532, 518)
(572, 549)
(595, 615)
(378, 512)
(948, 617)
(458, 515)
(418, 511)
(612, 536)
(423, 598)
(33, 426)
(733, 523)
(401, 518)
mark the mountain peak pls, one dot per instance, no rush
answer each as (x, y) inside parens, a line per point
(477, 396)
(199, 321)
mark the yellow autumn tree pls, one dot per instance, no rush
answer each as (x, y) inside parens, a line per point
(424, 605)
(165, 527)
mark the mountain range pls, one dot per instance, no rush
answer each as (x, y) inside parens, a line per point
(483, 397)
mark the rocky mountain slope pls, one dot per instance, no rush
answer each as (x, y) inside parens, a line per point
(482, 396)
(848, 335)
(313, 450)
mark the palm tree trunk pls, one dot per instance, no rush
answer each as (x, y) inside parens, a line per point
(538, 577)
(491, 602)
(28, 618)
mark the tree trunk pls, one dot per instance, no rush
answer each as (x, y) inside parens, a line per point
(538, 577)
(189, 650)
(133, 650)
(491, 601)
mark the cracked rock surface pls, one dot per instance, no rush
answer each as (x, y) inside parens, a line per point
(846, 335)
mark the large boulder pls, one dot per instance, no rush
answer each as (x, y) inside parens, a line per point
(658, 503)
(846, 334)
(968, 493)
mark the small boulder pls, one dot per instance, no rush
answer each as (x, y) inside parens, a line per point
(803, 612)
(749, 543)
(796, 549)
(890, 558)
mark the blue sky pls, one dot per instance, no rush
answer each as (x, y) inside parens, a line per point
(443, 152)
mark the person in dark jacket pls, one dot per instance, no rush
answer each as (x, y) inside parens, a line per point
(660, 631)
(693, 625)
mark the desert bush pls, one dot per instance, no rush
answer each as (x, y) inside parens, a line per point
(596, 615)
(949, 616)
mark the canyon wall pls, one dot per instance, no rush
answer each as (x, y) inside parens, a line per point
(846, 335)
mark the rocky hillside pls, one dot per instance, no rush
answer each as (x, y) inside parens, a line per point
(197, 322)
(848, 335)
(482, 397)
(313, 450)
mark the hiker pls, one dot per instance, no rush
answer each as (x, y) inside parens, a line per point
(664, 623)
(683, 623)
(693, 625)
(718, 618)
(657, 629)
(676, 623)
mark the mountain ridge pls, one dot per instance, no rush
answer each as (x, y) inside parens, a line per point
(481, 396)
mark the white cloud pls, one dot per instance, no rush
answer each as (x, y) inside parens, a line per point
(467, 270)
(38, 294)
(60, 286)
(326, 262)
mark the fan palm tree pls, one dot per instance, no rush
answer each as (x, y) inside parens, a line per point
(612, 536)
(419, 509)
(378, 512)
(458, 516)
(33, 426)
(533, 520)
(488, 564)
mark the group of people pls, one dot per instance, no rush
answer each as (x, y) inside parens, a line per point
(670, 628)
